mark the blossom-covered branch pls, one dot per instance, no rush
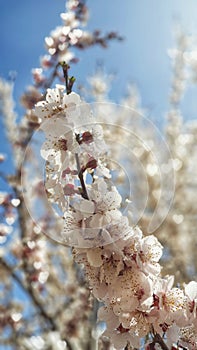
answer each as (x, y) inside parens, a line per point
(44, 270)
(122, 265)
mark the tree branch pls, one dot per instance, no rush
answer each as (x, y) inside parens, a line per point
(28, 290)
(157, 339)
(68, 81)
(36, 302)
(80, 175)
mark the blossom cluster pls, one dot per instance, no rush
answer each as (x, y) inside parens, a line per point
(164, 162)
(121, 264)
(60, 44)
(55, 289)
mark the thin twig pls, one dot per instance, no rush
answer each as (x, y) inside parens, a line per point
(80, 175)
(68, 81)
(65, 68)
(157, 339)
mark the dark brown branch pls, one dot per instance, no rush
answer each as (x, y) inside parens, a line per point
(65, 68)
(80, 175)
(68, 81)
(157, 339)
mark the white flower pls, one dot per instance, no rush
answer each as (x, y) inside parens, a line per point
(54, 341)
(104, 220)
(162, 285)
(191, 293)
(174, 300)
(78, 114)
(59, 139)
(150, 252)
(119, 335)
(72, 228)
(96, 146)
(84, 207)
(54, 127)
(191, 290)
(189, 337)
(172, 335)
(57, 103)
(105, 313)
(99, 84)
(171, 305)
(136, 321)
(35, 342)
(129, 290)
(69, 19)
(94, 257)
(105, 200)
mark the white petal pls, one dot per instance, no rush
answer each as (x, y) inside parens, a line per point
(94, 257)
(72, 98)
(191, 290)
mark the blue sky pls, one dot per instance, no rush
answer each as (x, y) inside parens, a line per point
(146, 25)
